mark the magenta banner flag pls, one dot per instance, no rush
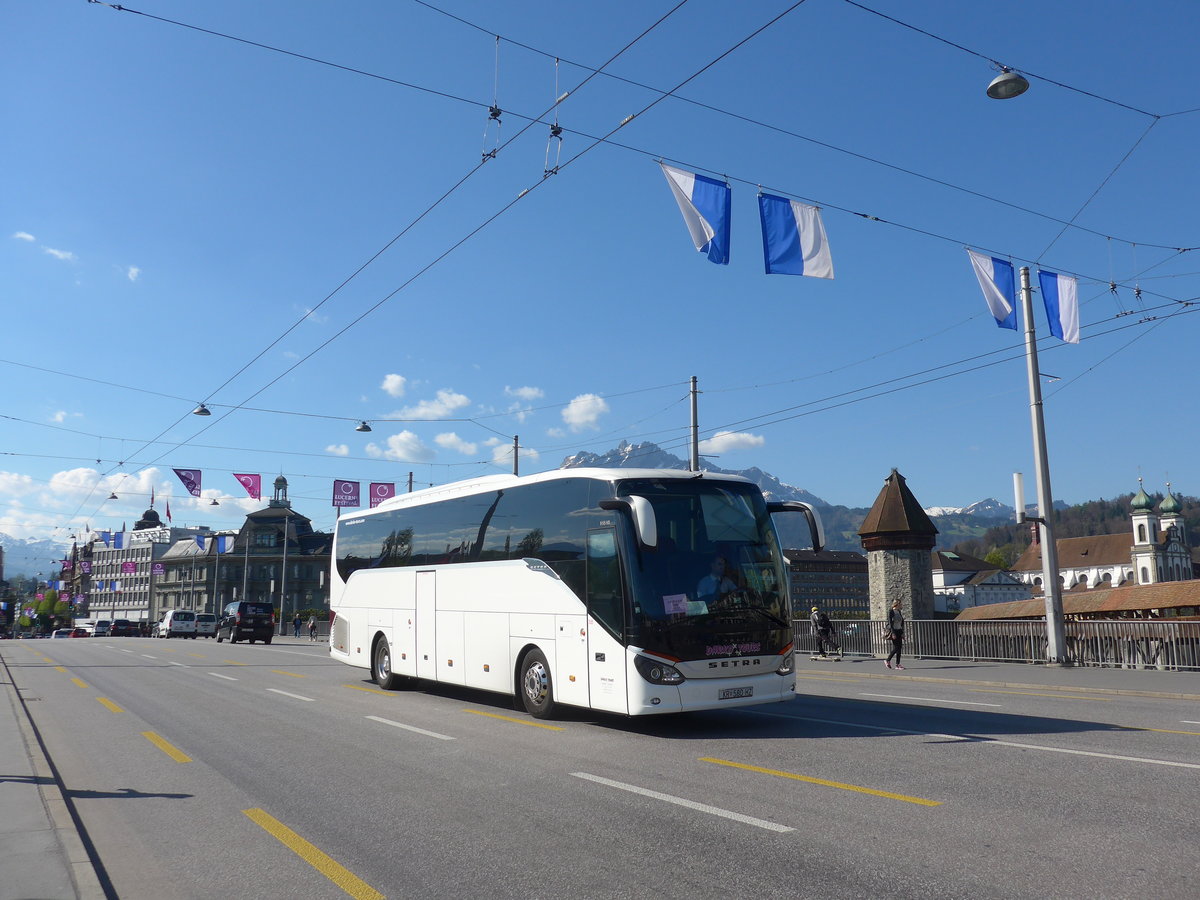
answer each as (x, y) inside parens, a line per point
(158, 569)
(128, 567)
(252, 484)
(345, 493)
(381, 492)
(85, 566)
(190, 479)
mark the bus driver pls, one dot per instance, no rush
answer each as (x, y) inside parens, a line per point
(715, 586)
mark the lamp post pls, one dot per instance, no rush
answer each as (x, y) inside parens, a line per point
(1051, 587)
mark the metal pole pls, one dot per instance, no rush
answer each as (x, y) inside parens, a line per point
(516, 440)
(246, 561)
(283, 578)
(694, 462)
(1051, 588)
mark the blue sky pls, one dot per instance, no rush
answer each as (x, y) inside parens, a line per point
(184, 216)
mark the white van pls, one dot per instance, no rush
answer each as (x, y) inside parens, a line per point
(177, 623)
(100, 629)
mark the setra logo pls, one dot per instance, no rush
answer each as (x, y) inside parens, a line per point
(734, 663)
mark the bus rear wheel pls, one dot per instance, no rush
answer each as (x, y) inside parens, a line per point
(536, 688)
(381, 667)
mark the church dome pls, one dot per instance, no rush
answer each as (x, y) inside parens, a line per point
(1141, 501)
(1170, 506)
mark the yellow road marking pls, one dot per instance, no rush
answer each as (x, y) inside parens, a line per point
(834, 784)
(319, 860)
(1158, 730)
(479, 712)
(176, 754)
(1032, 694)
(197, 655)
(80, 682)
(232, 662)
(110, 704)
(359, 687)
(60, 668)
(289, 674)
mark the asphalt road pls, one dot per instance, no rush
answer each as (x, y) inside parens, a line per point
(206, 770)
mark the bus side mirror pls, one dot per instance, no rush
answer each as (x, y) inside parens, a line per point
(815, 527)
(642, 512)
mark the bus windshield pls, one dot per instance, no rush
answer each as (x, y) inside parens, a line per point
(713, 584)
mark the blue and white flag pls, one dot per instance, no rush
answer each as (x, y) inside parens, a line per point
(998, 281)
(705, 204)
(119, 540)
(199, 539)
(794, 241)
(1060, 293)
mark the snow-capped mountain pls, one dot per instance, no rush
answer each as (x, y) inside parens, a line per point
(991, 508)
(648, 455)
(23, 556)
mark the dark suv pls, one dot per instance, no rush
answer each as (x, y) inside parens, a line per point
(123, 628)
(246, 621)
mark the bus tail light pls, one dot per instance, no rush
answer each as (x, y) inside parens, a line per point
(657, 672)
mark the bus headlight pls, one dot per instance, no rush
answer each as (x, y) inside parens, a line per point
(787, 664)
(657, 672)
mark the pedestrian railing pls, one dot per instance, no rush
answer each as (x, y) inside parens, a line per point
(1119, 643)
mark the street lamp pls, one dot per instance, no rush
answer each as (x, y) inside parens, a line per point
(1007, 84)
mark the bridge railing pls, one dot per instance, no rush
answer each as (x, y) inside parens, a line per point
(1120, 643)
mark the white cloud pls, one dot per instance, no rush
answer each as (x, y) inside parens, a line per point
(555, 432)
(338, 449)
(60, 416)
(24, 236)
(528, 394)
(584, 412)
(402, 447)
(446, 403)
(393, 385)
(132, 273)
(724, 441)
(311, 315)
(64, 255)
(451, 441)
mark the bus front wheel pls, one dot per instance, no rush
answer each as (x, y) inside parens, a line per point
(537, 691)
(381, 667)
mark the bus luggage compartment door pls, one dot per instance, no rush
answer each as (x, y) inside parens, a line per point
(426, 625)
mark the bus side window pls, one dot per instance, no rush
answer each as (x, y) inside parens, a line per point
(604, 595)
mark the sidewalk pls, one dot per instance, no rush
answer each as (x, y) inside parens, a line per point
(1084, 679)
(43, 855)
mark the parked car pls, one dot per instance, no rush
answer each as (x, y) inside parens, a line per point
(247, 621)
(177, 623)
(61, 633)
(206, 625)
(102, 627)
(80, 632)
(122, 628)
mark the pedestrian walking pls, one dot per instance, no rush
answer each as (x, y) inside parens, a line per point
(822, 629)
(312, 628)
(894, 632)
(296, 622)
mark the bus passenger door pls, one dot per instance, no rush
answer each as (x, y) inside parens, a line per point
(606, 621)
(426, 627)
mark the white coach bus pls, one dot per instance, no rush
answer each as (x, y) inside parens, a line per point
(633, 591)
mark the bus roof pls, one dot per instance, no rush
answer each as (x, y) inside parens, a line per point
(498, 482)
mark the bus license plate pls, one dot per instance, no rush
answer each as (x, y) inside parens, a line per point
(731, 693)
